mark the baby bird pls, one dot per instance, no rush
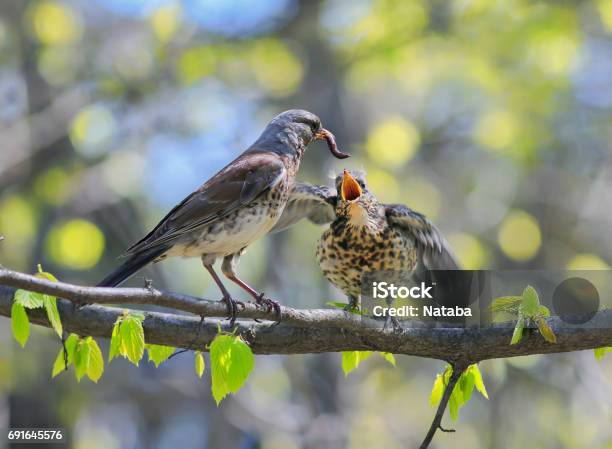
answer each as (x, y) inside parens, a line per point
(365, 235)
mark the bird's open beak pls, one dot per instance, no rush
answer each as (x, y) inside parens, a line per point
(350, 189)
(331, 143)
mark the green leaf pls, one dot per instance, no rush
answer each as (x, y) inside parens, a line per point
(457, 393)
(478, 383)
(219, 386)
(600, 352)
(82, 355)
(437, 391)
(352, 359)
(518, 331)
(29, 300)
(242, 362)
(342, 305)
(440, 385)
(199, 364)
(115, 343)
(159, 353)
(466, 385)
(546, 330)
(530, 304)
(95, 365)
(544, 311)
(336, 304)
(388, 357)
(60, 362)
(508, 304)
(87, 359)
(60, 365)
(50, 303)
(462, 392)
(20, 324)
(232, 361)
(132, 338)
(454, 403)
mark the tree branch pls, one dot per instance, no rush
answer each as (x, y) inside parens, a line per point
(301, 331)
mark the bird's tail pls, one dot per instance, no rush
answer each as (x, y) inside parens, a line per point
(131, 266)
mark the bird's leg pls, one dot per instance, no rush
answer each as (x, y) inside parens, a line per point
(353, 303)
(232, 305)
(259, 297)
(228, 268)
(397, 327)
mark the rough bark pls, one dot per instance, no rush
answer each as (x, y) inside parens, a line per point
(194, 323)
(301, 331)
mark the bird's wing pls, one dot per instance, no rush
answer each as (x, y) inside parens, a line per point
(434, 250)
(308, 201)
(238, 184)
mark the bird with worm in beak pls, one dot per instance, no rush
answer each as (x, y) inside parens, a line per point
(234, 208)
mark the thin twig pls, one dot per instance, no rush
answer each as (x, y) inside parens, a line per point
(458, 369)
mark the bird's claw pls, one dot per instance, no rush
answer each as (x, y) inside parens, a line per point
(269, 304)
(397, 327)
(148, 284)
(352, 306)
(232, 308)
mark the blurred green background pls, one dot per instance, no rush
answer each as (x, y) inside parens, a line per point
(492, 117)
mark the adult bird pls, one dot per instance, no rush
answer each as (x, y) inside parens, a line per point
(365, 235)
(235, 207)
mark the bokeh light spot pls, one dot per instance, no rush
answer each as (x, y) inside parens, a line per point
(55, 23)
(277, 70)
(123, 171)
(58, 65)
(165, 21)
(53, 186)
(4, 35)
(92, 129)
(196, 63)
(605, 12)
(496, 130)
(554, 52)
(393, 142)
(17, 219)
(469, 250)
(18, 224)
(519, 236)
(134, 59)
(77, 244)
(587, 261)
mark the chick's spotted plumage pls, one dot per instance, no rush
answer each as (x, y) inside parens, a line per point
(365, 235)
(361, 240)
(237, 206)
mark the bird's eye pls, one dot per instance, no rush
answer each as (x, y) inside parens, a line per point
(314, 126)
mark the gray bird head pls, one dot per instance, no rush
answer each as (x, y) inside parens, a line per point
(355, 202)
(290, 132)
